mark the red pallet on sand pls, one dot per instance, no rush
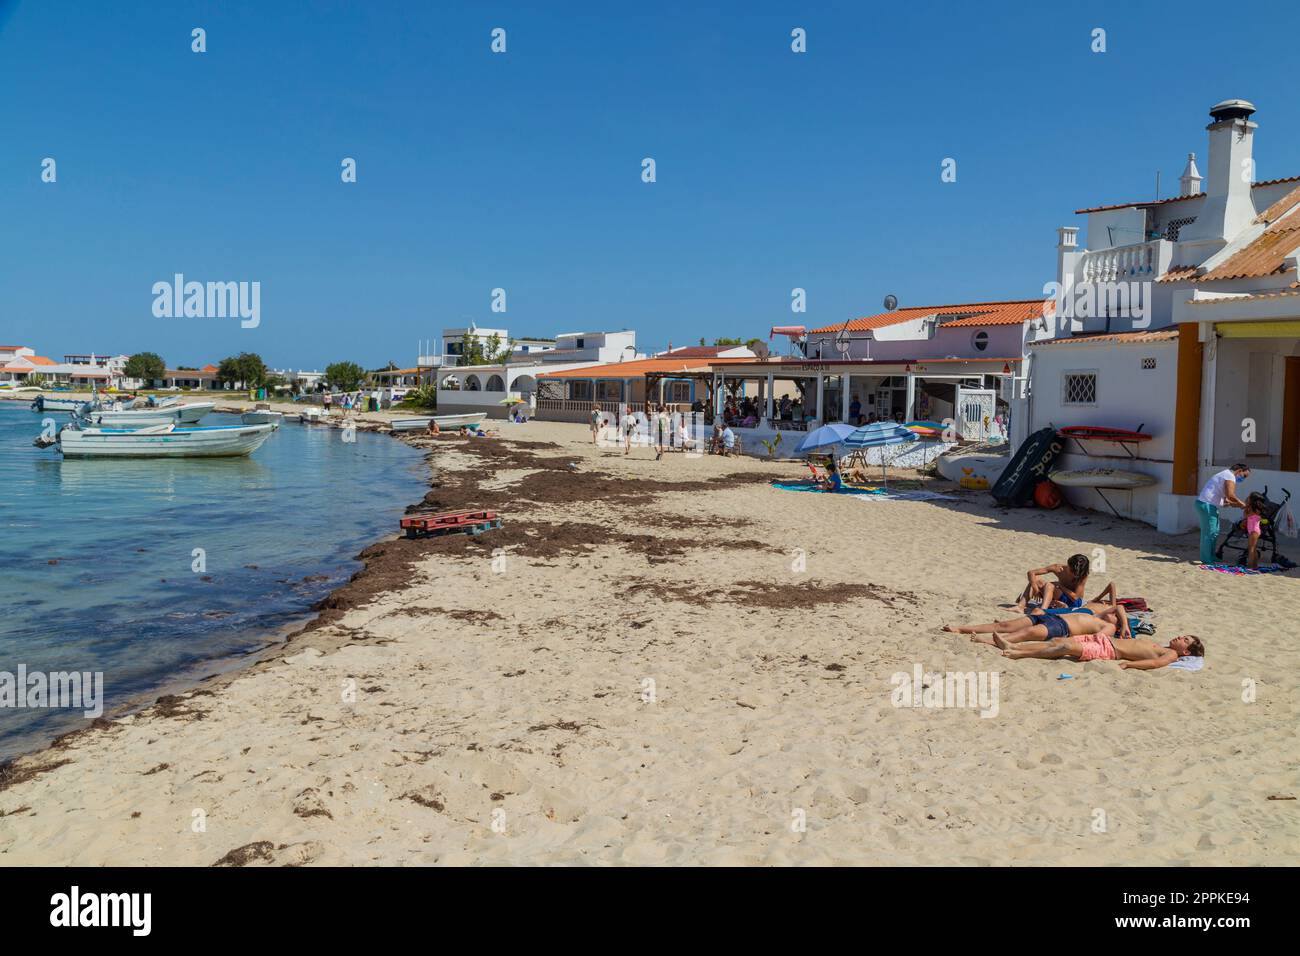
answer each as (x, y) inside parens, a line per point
(473, 521)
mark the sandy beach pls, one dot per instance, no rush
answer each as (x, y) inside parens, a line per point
(671, 662)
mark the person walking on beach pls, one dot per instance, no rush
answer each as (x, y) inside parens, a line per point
(1219, 492)
(662, 431)
(597, 420)
(629, 429)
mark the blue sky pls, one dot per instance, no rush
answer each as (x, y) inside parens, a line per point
(523, 171)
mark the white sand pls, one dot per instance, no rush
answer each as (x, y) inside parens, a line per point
(761, 716)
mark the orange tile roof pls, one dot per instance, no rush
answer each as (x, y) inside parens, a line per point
(1263, 257)
(1161, 202)
(40, 360)
(639, 367)
(1117, 338)
(979, 313)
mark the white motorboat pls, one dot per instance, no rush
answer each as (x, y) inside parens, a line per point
(445, 422)
(262, 416)
(180, 415)
(43, 403)
(159, 441)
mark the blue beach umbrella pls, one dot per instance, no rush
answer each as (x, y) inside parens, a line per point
(825, 437)
(877, 435)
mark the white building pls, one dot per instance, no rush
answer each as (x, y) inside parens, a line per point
(1181, 317)
(484, 388)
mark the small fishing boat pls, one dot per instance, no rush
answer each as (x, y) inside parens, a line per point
(43, 403)
(445, 422)
(158, 441)
(144, 416)
(262, 416)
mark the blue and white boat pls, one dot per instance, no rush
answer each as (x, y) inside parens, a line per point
(78, 440)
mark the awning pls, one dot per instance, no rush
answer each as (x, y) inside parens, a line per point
(1258, 330)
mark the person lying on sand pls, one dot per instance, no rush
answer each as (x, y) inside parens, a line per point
(1050, 627)
(1133, 654)
(1104, 601)
(1071, 578)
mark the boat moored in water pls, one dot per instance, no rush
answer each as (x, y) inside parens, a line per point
(158, 441)
(179, 415)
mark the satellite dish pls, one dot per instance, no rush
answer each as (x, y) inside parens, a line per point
(891, 303)
(842, 341)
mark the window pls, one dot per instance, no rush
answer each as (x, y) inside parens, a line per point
(1079, 388)
(679, 393)
(609, 391)
(980, 340)
(495, 384)
(580, 391)
(578, 343)
(472, 383)
(1148, 363)
(1175, 225)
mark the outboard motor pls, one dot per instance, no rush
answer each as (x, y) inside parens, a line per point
(39, 404)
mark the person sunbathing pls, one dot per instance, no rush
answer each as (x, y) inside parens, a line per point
(1071, 578)
(1050, 627)
(1133, 653)
(1104, 601)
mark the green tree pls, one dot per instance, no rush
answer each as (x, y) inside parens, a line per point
(245, 370)
(345, 376)
(146, 366)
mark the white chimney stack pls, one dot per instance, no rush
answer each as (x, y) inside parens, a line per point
(1228, 206)
(1190, 180)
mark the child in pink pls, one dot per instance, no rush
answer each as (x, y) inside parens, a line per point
(1252, 516)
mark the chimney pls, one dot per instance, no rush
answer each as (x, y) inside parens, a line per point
(1190, 180)
(1067, 245)
(1228, 206)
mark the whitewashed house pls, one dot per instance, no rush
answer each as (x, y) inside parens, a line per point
(1180, 317)
(485, 388)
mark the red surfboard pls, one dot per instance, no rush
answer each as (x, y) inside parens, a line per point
(1098, 433)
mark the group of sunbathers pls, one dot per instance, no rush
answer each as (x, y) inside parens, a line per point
(1058, 623)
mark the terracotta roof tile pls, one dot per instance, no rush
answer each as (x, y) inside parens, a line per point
(1161, 202)
(972, 313)
(1116, 338)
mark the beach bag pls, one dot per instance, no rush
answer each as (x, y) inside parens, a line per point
(1285, 523)
(1133, 604)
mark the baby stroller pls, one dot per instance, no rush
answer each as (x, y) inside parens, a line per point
(1236, 538)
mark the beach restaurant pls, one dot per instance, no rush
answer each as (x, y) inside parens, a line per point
(772, 395)
(679, 380)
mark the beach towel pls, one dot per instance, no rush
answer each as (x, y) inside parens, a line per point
(1189, 663)
(805, 486)
(880, 494)
(1242, 571)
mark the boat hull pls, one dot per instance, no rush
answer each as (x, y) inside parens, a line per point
(216, 442)
(262, 417)
(179, 415)
(59, 405)
(445, 422)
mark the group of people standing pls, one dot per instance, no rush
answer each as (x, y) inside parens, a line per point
(667, 431)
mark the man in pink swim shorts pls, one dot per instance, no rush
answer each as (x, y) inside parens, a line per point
(1095, 647)
(1139, 654)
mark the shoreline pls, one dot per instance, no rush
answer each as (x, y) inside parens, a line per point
(218, 670)
(524, 692)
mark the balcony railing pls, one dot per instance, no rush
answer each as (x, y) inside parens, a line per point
(1136, 262)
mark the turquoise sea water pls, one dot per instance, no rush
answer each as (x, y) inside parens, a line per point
(97, 557)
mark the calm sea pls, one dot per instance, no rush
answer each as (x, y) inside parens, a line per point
(98, 558)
